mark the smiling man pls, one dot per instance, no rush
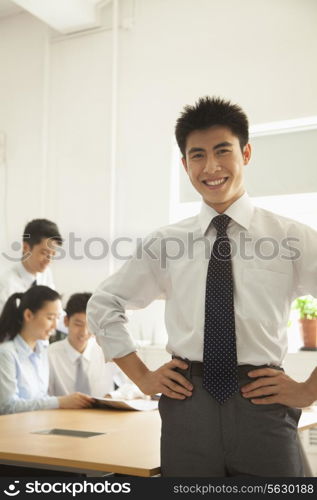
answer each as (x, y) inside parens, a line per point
(229, 276)
(77, 362)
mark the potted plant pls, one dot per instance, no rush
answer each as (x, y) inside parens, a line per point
(307, 307)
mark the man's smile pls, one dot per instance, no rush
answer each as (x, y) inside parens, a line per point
(215, 183)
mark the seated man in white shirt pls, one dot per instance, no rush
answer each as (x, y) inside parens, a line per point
(78, 361)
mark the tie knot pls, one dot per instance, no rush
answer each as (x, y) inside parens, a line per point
(221, 223)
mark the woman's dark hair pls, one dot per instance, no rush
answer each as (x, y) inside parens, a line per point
(209, 112)
(77, 303)
(11, 319)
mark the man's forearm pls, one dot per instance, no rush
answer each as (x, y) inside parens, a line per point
(312, 384)
(133, 367)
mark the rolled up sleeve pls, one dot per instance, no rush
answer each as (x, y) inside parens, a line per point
(140, 281)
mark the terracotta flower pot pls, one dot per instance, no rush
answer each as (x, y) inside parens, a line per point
(308, 328)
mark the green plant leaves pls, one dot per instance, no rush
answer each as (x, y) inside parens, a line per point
(307, 306)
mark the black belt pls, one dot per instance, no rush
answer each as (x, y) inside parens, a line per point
(196, 368)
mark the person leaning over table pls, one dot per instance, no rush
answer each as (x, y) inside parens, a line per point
(26, 321)
(41, 239)
(227, 307)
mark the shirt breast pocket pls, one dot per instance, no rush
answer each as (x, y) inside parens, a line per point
(266, 295)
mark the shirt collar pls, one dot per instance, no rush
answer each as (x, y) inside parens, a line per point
(74, 355)
(27, 277)
(24, 349)
(240, 211)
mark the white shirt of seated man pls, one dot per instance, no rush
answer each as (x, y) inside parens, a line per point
(77, 363)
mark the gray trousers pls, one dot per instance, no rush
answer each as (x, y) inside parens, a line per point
(201, 438)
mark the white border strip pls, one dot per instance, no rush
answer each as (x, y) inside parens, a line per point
(284, 127)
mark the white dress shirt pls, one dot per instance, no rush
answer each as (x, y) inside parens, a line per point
(63, 368)
(268, 274)
(18, 279)
(24, 377)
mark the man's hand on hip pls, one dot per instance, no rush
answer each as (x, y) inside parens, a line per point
(164, 380)
(167, 381)
(274, 386)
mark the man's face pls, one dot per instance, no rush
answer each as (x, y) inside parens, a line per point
(78, 334)
(37, 258)
(214, 163)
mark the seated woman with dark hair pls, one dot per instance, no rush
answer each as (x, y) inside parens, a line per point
(26, 321)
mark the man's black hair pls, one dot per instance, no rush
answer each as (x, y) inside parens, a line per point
(209, 112)
(77, 303)
(38, 229)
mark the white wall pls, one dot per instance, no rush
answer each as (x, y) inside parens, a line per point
(55, 110)
(79, 154)
(259, 53)
(22, 41)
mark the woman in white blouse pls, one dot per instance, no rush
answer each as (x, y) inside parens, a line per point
(26, 323)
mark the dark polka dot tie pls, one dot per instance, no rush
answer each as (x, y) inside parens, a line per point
(220, 375)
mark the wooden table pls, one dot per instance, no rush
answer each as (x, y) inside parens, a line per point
(130, 445)
(308, 418)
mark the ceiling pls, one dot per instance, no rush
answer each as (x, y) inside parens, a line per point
(64, 16)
